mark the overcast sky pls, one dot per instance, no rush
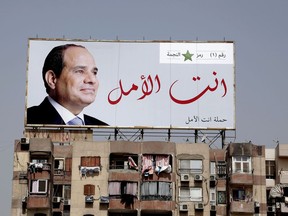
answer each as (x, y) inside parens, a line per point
(258, 28)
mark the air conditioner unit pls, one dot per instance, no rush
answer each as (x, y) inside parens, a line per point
(104, 199)
(24, 199)
(184, 177)
(126, 165)
(198, 206)
(271, 209)
(24, 140)
(213, 208)
(67, 202)
(198, 178)
(183, 207)
(212, 178)
(56, 199)
(89, 199)
(23, 176)
(24, 144)
(257, 204)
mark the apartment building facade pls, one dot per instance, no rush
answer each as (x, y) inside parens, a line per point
(277, 180)
(115, 178)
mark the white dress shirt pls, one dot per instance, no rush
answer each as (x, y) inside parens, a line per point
(65, 114)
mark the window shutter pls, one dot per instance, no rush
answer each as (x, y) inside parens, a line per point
(68, 164)
(84, 161)
(89, 190)
(90, 161)
(95, 161)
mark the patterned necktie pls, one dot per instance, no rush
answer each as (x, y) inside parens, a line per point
(75, 121)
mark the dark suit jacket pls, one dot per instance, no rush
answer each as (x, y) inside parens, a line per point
(45, 113)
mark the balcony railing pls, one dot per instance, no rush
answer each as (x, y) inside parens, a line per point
(38, 202)
(241, 178)
(38, 167)
(242, 207)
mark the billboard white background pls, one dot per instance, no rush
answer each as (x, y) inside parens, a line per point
(204, 73)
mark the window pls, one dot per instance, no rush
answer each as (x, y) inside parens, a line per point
(59, 166)
(270, 170)
(212, 196)
(154, 190)
(68, 164)
(238, 194)
(117, 189)
(196, 194)
(121, 161)
(221, 197)
(90, 165)
(58, 190)
(38, 186)
(91, 161)
(63, 191)
(190, 194)
(212, 168)
(126, 191)
(184, 194)
(191, 166)
(221, 169)
(241, 164)
(67, 192)
(156, 163)
(270, 200)
(89, 190)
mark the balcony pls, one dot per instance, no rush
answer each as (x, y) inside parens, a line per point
(39, 171)
(63, 177)
(57, 206)
(241, 178)
(118, 204)
(39, 167)
(157, 205)
(123, 176)
(38, 202)
(242, 207)
(123, 162)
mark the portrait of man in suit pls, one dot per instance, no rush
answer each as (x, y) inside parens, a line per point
(70, 78)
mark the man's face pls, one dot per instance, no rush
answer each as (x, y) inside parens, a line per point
(77, 85)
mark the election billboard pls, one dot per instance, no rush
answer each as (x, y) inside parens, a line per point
(139, 84)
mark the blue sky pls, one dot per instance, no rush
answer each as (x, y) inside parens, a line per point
(258, 28)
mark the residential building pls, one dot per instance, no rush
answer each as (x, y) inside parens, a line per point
(74, 175)
(277, 180)
(246, 179)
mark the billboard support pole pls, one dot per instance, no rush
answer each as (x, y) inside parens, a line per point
(196, 136)
(115, 134)
(223, 138)
(142, 134)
